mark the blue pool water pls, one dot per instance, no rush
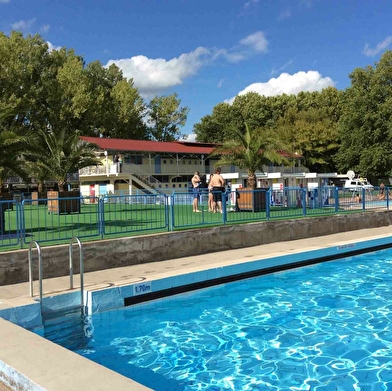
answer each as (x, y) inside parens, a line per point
(323, 327)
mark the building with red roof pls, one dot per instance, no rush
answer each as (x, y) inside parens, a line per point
(129, 166)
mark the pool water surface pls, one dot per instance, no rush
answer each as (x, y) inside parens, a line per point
(323, 327)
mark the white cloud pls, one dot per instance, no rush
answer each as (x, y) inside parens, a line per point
(4, 1)
(45, 28)
(189, 137)
(220, 83)
(285, 14)
(250, 2)
(52, 47)
(256, 41)
(154, 75)
(274, 70)
(289, 84)
(306, 3)
(380, 46)
(232, 57)
(23, 25)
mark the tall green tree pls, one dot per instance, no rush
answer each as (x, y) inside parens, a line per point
(116, 108)
(312, 134)
(56, 90)
(218, 126)
(165, 117)
(259, 110)
(12, 146)
(365, 127)
(251, 150)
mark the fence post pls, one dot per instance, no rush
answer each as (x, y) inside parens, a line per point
(101, 217)
(268, 194)
(336, 196)
(387, 195)
(224, 207)
(363, 198)
(169, 200)
(303, 199)
(20, 223)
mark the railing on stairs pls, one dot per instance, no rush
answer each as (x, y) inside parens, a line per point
(40, 271)
(147, 186)
(81, 269)
(30, 255)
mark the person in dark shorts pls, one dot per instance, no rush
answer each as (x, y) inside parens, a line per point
(218, 187)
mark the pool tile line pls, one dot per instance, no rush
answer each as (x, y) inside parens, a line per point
(111, 298)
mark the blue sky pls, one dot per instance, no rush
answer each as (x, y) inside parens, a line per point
(208, 51)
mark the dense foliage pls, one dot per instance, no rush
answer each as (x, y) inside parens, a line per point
(165, 116)
(51, 96)
(365, 126)
(307, 123)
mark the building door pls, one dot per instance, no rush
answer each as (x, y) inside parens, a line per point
(207, 166)
(157, 160)
(102, 190)
(92, 194)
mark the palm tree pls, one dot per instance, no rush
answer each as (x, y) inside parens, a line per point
(251, 151)
(57, 154)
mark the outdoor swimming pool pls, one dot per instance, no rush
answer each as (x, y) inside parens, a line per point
(323, 327)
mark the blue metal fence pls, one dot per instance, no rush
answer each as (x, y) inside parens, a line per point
(133, 213)
(58, 220)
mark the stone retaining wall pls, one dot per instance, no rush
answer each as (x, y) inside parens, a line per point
(112, 253)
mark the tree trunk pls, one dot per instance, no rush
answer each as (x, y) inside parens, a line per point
(252, 180)
(61, 186)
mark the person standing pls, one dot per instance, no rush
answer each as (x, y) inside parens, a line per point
(120, 162)
(196, 191)
(210, 195)
(218, 187)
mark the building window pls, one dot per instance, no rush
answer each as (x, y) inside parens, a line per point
(164, 162)
(133, 159)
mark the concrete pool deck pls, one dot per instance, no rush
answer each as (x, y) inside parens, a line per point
(51, 367)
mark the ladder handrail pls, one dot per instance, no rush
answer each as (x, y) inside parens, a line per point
(81, 267)
(39, 269)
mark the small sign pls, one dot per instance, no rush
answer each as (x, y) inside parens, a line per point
(142, 288)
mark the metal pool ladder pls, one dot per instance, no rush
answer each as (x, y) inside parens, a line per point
(81, 258)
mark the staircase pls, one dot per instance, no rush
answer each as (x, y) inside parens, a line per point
(144, 185)
(68, 327)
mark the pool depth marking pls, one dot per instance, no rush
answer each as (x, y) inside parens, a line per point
(142, 288)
